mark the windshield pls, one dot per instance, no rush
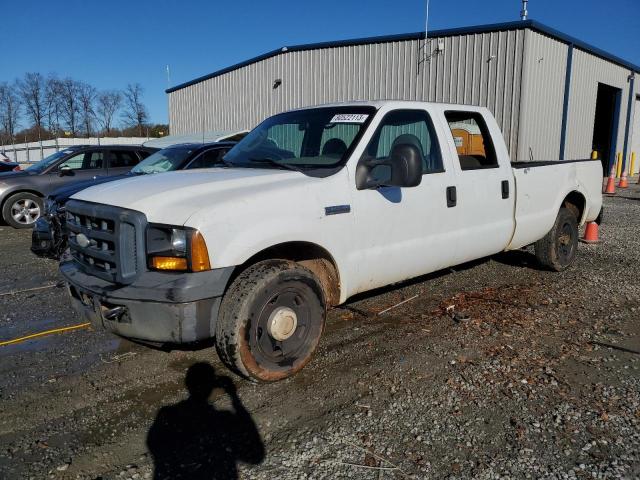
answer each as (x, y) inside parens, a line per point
(164, 160)
(315, 141)
(46, 162)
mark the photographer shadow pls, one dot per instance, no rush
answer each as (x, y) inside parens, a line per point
(192, 439)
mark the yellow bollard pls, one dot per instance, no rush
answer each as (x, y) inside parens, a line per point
(632, 166)
(619, 166)
(594, 155)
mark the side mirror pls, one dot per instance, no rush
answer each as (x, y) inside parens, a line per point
(404, 166)
(65, 171)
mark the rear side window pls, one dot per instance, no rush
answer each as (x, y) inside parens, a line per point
(412, 127)
(473, 142)
(123, 158)
(208, 159)
(143, 154)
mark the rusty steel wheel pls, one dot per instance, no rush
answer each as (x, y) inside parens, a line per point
(270, 321)
(559, 248)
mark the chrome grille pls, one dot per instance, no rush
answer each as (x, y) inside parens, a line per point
(105, 240)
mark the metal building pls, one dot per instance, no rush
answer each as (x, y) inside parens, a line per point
(554, 96)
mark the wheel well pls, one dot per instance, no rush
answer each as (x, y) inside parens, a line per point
(312, 256)
(576, 203)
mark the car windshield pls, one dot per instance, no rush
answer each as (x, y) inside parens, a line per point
(46, 162)
(315, 141)
(164, 160)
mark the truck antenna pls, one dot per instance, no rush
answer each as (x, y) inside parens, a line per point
(426, 32)
(524, 13)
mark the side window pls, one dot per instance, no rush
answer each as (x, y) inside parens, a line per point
(123, 158)
(401, 127)
(208, 159)
(472, 140)
(84, 161)
(143, 154)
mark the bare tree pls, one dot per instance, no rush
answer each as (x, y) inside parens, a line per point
(53, 100)
(9, 111)
(135, 113)
(70, 104)
(108, 104)
(86, 97)
(32, 91)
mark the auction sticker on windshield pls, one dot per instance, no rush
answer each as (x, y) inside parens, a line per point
(349, 118)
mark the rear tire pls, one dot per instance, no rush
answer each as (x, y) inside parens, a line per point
(558, 249)
(270, 321)
(21, 210)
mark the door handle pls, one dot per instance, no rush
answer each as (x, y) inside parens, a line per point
(505, 189)
(452, 196)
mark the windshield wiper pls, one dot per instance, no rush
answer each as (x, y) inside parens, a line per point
(275, 163)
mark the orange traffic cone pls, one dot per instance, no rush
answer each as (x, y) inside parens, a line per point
(611, 182)
(591, 233)
(624, 181)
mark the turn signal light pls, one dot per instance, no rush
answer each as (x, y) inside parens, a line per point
(169, 263)
(199, 254)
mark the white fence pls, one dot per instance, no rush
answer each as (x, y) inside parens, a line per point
(31, 152)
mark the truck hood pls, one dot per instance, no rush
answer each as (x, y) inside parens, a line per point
(173, 197)
(63, 193)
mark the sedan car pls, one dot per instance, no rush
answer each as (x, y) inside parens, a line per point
(22, 193)
(49, 239)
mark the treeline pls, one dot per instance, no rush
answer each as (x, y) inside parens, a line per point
(36, 107)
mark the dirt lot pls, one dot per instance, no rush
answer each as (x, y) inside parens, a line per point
(495, 370)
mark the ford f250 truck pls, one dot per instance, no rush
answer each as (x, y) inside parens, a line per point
(312, 207)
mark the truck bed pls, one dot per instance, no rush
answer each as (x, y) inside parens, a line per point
(540, 192)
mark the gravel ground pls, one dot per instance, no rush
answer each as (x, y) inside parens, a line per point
(497, 369)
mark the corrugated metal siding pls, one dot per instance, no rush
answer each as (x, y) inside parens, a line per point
(464, 72)
(588, 71)
(542, 97)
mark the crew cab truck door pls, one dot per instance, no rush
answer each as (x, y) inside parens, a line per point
(403, 232)
(81, 166)
(484, 184)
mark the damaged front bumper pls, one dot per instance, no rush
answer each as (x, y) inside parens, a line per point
(158, 307)
(47, 238)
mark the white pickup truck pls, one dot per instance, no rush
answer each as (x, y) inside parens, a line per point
(310, 208)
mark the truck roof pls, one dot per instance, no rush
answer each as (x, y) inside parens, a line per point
(394, 104)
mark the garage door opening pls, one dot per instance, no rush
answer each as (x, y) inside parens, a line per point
(605, 126)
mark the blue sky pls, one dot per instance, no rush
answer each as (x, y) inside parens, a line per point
(112, 43)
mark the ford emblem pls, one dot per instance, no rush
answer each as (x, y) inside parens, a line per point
(82, 240)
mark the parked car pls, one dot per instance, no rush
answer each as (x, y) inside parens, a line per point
(313, 206)
(22, 193)
(9, 166)
(49, 237)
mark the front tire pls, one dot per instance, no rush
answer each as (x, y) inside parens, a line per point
(558, 249)
(270, 321)
(21, 210)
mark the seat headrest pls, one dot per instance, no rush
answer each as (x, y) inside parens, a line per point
(408, 139)
(334, 147)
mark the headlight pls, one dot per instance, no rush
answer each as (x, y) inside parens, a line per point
(176, 249)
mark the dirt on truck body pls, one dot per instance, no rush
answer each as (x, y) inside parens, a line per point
(494, 369)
